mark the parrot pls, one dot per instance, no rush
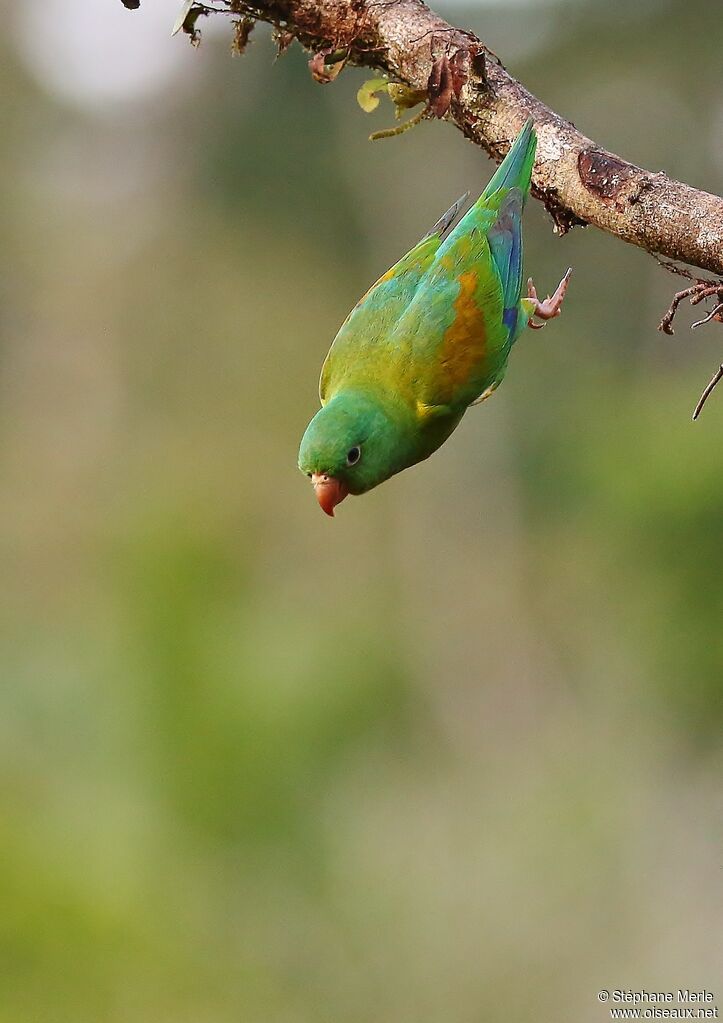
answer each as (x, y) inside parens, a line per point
(429, 340)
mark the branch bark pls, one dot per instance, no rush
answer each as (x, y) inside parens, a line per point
(578, 181)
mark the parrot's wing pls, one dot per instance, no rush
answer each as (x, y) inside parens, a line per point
(506, 193)
(465, 314)
(452, 336)
(370, 323)
(505, 239)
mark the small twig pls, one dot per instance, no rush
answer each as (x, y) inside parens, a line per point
(697, 292)
(714, 381)
(674, 268)
(705, 291)
(432, 32)
(714, 314)
(666, 324)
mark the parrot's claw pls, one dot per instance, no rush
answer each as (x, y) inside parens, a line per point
(551, 307)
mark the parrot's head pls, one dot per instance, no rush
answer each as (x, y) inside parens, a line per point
(350, 446)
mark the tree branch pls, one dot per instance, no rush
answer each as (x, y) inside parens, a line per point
(579, 182)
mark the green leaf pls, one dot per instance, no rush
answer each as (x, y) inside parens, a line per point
(367, 96)
(405, 98)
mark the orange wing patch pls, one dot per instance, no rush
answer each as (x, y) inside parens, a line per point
(465, 341)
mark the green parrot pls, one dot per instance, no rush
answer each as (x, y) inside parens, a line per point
(427, 341)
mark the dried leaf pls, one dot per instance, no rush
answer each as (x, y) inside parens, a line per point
(479, 65)
(283, 40)
(435, 77)
(189, 26)
(242, 30)
(326, 65)
(460, 65)
(439, 87)
(367, 97)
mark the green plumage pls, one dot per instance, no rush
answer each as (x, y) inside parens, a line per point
(430, 338)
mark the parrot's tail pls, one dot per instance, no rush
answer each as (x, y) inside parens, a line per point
(515, 171)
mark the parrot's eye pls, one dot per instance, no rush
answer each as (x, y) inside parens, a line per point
(353, 455)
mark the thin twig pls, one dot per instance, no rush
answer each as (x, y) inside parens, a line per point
(714, 314)
(666, 324)
(698, 292)
(714, 381)
(705, 292)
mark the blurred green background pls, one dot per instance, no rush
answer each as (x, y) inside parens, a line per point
(453, 756)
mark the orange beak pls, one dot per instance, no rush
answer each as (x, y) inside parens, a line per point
(329, 491)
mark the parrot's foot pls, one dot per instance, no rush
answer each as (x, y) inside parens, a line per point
(551, 307)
